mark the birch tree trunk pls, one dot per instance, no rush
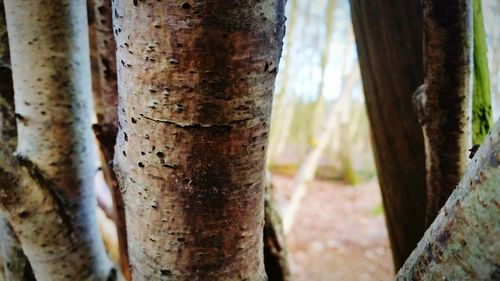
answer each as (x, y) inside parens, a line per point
(195, 83)
(14, 262)
(47, 191)
(462, 242)
(445, 104)
(389, 42)
(106, 108)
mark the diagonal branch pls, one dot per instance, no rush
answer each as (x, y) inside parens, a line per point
(462, 242)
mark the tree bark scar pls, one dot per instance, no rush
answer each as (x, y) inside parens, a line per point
(418, 99)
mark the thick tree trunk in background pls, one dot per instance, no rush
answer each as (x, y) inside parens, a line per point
(389, 42)
(444, 105)
(275, 250)
(14, 262)
(462, 243)
(106, 109)
(49, 199)
(195, 83)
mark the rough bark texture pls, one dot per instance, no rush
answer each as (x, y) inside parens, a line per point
(106, 109)
(47, 191)
(462, 243)
(275, 250)
(446, 101)
(389, 42)
(195, 82)
(15, 264)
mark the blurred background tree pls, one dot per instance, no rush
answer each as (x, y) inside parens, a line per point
(320, 150)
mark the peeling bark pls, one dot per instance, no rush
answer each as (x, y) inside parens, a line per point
(106, 109)
(195, 83)
(47, 191)
(446, 101)
(462, 242)
(389, 42)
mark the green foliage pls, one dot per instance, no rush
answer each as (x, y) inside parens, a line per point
(349, 175)
(377, 210)
(482, 120)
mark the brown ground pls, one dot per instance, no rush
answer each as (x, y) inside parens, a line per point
(339, 233)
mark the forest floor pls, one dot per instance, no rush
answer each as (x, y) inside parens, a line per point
(339, 232)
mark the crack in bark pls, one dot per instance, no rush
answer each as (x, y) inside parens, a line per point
(226, 126)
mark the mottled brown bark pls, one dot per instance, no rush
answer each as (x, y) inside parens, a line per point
(275, 251)
(16, 266)
(106, 109)
(446, 100)
(195, 83)
(462, 242)
(47, 191)
(389, 42)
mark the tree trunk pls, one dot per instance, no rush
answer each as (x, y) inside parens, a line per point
(283, 113)
(106, 108)
(275, 251)
(462, 242)
(50, 200)
(319, 107)
(389, 42)
(482, 116)
(307, 170)
(14, 262)
(444, 104)
(195, 83)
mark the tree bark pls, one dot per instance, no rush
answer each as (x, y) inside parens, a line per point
(462, 242)
(47, 191)
(446, 100)
(14, 262)
(106, 109)
(195, 83)
(389, 43)
(275, 250)
(482, 116)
